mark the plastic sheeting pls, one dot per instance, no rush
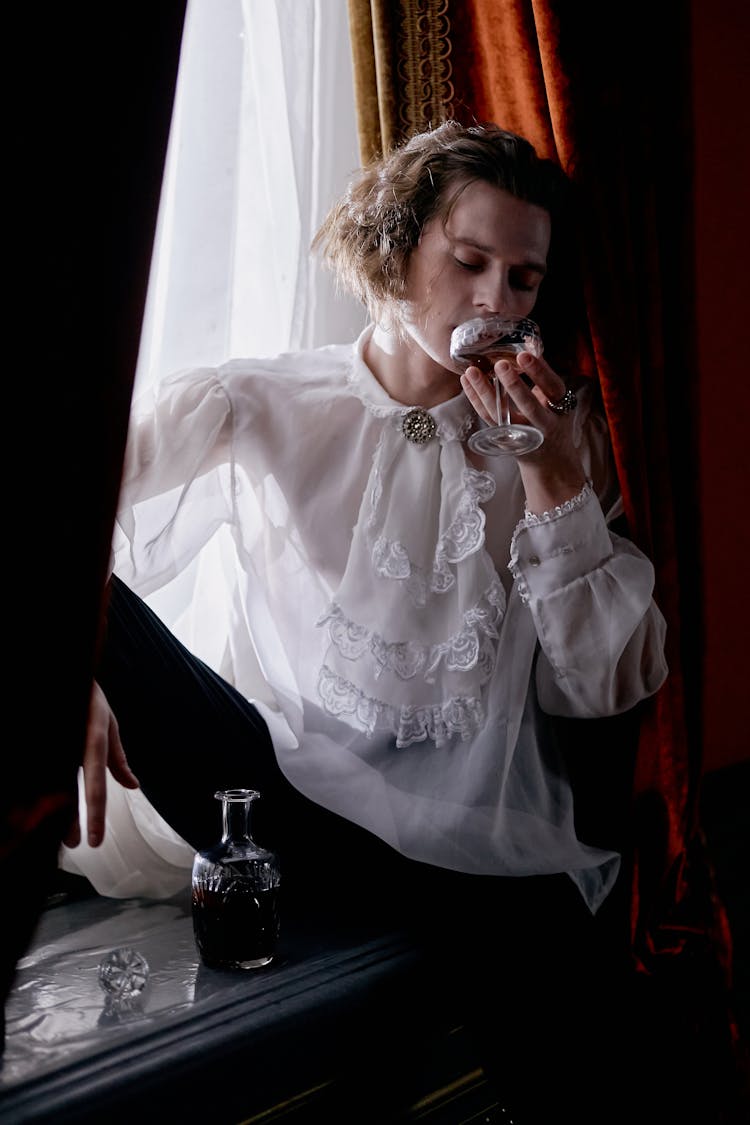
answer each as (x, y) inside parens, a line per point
(58, 1013)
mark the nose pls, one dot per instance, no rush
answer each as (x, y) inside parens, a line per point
(493, 294)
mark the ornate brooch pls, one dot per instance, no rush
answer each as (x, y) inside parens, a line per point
(418, 426)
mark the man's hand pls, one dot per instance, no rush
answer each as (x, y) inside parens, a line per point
(103, 751)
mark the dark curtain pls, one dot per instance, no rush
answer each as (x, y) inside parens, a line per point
(606, 91)
(91, 143)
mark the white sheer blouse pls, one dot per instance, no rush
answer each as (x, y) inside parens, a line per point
(404, 627)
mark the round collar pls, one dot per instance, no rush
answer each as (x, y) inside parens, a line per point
(449, 421)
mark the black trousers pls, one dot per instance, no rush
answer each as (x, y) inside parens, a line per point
(540, 983)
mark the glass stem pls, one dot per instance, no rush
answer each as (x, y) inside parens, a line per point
(502, 404)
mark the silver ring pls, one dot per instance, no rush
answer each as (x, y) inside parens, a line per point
(565, 404)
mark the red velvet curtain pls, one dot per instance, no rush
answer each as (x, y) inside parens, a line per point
(605, 90)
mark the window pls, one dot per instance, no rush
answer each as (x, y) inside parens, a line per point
(263, 139)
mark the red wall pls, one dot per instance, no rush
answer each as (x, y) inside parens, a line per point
(721, 59)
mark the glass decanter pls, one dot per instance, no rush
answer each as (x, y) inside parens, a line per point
(235, 892)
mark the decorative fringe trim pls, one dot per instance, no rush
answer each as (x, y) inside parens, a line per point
(424, 66)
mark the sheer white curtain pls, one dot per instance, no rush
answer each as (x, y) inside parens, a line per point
(263, 140)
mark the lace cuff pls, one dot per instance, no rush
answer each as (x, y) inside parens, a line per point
(531, 519)
(550, 550)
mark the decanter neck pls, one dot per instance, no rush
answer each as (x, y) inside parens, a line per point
(235, 813)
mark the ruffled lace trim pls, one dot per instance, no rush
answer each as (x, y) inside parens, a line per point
(439, 722)
(531, 519)
(471, 647)
(464, 537)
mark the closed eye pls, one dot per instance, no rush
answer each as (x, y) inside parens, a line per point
(473, 266)
(525, 280)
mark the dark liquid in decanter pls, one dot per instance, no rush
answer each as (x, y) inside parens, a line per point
(239, 930)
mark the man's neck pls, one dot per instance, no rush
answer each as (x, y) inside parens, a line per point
(406, 372)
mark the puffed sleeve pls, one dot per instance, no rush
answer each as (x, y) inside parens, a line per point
(590, 593)
(178, 479)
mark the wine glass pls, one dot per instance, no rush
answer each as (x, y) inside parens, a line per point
(481, 342)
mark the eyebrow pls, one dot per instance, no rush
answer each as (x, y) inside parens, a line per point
(531, 264)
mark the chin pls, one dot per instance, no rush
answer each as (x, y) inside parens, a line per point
(445, 361)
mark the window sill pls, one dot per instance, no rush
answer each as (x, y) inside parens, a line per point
(341, 1015)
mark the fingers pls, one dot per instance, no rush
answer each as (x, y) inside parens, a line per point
(528, 403)
(94, 771)
(103, 750)
(72, 837)
(117, 762)
(531, 400)
(480, 392)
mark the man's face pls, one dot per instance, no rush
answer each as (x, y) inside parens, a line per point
(488, 257)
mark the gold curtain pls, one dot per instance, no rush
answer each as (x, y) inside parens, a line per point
(402, 69)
